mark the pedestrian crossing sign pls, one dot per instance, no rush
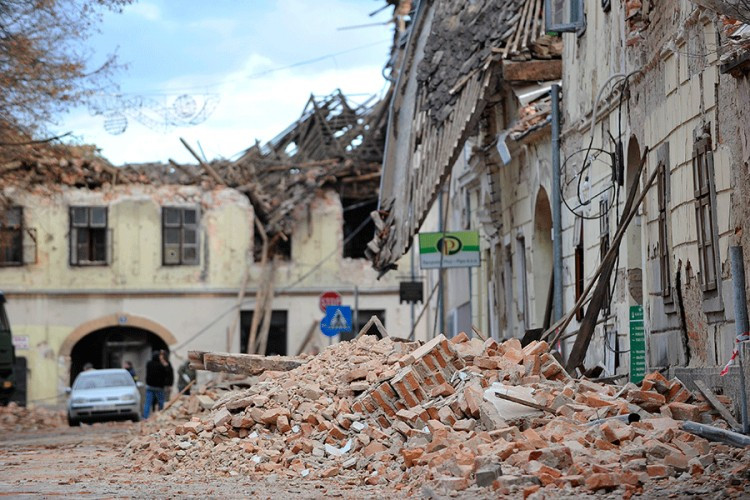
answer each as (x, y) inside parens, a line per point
(338, 319)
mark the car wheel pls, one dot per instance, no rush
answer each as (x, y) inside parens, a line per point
(73, 422)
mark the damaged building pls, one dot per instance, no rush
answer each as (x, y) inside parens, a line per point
(488, 90)
(103, 264)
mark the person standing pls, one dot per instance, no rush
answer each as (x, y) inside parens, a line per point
(185, 375)
(128, 365)
(169, 377)
(157, 371)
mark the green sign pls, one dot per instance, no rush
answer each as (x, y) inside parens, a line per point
(454, 249)
(637, 345)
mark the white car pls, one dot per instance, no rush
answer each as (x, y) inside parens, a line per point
(104, 395)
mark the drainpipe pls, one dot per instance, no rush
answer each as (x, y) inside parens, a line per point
(741, 324)
(556, 206)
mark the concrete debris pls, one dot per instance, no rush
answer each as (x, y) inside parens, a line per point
(407, 430)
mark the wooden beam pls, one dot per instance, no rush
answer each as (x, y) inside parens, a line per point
(586, 331)
(260, 294)
(560, 325)
(208, 168)
(360, 178)
(536, 70)
(530, 404)
(196, 360)
(478, 333)
(723, 411)
(247, 364)
(374, 321)
(309, 336)
(177, 396)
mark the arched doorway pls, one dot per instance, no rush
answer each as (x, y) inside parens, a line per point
(634, 253)
(542, 255)
(109, 347)
(101, 341)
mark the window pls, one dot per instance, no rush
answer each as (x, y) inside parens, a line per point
(179, 236)
(579, 264)
(11, 237)
(508, 291)
(564, 16)
(703, 178)
(664, 257)
(88, 236)
(604, 248)
(359, 228)
(523, 295)
(277, 332)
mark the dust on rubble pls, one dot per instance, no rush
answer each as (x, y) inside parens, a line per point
(16, 419)
(424, 420)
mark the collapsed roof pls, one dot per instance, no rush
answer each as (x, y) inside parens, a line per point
(334, 143)
(457, 57)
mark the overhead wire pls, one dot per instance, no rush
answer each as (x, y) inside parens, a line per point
(277, 292)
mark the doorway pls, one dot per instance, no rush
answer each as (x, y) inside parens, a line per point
(109, 347)
(542, 255)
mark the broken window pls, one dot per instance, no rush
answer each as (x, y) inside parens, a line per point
(604, 248)
(179, 236)
(277, 332)
(579, 263)
(703, 178)
(88, 236)
(664, 257)
(564, 16)
(11, 237)
(359, 228)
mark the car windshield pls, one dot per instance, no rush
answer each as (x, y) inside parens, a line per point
(100, 381)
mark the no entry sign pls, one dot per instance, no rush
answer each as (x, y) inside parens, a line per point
(329, 298)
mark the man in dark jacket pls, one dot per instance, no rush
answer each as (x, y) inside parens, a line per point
(158, 372)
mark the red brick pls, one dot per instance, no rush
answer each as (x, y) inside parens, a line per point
(442, 390)
(648, 400)
(461, 337)
(678, 461)
(411, 455)
(282, 424)
(446, 416)
(601, 481)
(373, 448)
(684, 411)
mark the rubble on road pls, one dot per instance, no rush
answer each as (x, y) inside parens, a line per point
(407, 415)
(14, 418)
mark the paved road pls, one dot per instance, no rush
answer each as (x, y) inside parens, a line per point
(87, 462)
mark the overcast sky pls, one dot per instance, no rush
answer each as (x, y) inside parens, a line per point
(226, 53)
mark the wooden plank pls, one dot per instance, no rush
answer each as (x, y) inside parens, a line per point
(309, 336)
(196, 360)
(559, 327)
(247, 364)
(478, 333)
(177, 396)
(374, 321)
(723, 411)
(586, 331)
(537, 70)
(203, 164)
(530, 404)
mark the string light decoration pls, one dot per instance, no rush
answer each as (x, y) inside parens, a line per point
(161, 114)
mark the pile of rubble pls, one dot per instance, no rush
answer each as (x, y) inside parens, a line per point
(459, 414)
(15, 419)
